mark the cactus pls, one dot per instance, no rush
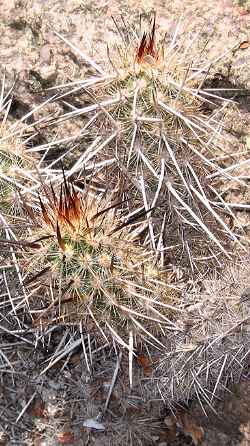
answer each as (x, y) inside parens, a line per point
(212, 350)
(19, 167)
(144, 193)
(150, 121)
(84, 253)
(12, 158)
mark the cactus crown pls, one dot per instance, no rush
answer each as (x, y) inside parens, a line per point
(90, 257)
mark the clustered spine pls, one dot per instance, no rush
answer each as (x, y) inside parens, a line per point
(111, 254)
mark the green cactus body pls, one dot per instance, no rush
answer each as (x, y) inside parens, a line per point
(91, 264)
(15, 172)
(151, 123)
